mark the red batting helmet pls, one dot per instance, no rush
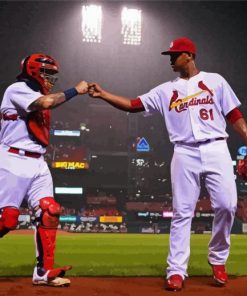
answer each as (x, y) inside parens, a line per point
(42, 68)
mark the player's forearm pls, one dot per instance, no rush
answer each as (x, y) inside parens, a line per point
(49, 101)
(52, 101)
(122, 103)
(240, 127)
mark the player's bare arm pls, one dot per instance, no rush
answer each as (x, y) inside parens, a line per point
(96, 91)
(236, 119)
(240, 127)
(119, 102)
(52, 101)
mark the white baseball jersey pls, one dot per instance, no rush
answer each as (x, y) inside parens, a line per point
(14, 133)
(194, 113)
(193, 109)
(21, 176)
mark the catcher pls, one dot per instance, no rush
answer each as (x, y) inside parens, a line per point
(24, 174)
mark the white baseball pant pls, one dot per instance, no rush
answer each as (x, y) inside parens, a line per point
(189, 162)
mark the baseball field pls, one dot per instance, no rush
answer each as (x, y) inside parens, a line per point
(117, 264)
(115, 254)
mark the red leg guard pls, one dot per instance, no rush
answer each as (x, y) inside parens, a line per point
(8, 220)
(46, 239)
(46, 232)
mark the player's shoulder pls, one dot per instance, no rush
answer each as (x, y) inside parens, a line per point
(16, 86)
(212, 75)
(165, 85)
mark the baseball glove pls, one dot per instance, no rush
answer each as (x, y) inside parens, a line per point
(242, 168)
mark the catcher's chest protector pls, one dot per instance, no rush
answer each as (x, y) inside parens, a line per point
(38, 124)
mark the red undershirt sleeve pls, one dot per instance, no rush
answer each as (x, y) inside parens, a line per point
(136, 105)
(234, 115)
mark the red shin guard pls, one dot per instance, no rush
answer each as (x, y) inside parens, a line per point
(46, 243)
(46, 232)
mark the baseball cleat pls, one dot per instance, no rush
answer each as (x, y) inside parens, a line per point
(57, 282)
(175, 283)
(58, 272)
(46, 280)
(219, 274)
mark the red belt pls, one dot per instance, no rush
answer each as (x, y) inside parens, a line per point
(10, 117)
(24, 153)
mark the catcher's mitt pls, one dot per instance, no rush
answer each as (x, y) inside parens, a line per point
(242, 168)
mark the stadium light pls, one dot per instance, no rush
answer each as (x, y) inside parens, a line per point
(91, 23)
(131, 26)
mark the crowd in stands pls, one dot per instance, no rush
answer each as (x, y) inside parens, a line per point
(88, 212)
(204, 204)
(70, 212)
(65, 152)
(101, 199)
(94, 227)
(100, 212)
(148, 206)
(58, 124)
(107, 206)
(107, 133)
(104, 205)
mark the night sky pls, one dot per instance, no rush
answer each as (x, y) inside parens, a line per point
(218, 28)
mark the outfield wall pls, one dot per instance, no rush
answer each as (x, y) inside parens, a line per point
(120, 224)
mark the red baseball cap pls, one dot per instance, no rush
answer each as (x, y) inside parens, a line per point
(182, 44)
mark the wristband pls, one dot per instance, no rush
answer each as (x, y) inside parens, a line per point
(70, 93)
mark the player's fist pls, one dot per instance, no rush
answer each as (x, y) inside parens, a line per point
(242, 168)
(82, 87)
(95, 90)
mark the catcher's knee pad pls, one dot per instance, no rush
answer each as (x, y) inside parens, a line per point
(47, 220)
(50, 212)
(8, 219)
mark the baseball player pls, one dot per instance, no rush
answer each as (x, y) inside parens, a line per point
(193, 106)
(24, 136)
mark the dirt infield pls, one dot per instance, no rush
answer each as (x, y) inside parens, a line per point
(143, 286)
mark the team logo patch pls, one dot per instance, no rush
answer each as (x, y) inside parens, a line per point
(182, 104)
(171, 44)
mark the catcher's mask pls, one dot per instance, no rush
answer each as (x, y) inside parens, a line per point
(42, 68)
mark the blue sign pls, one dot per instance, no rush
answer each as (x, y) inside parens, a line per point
(67, 218)
(242, 150)
(142, 146)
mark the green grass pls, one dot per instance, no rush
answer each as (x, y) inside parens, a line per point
(115, 254)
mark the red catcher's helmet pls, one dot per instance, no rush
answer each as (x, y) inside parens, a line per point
(42, 68)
